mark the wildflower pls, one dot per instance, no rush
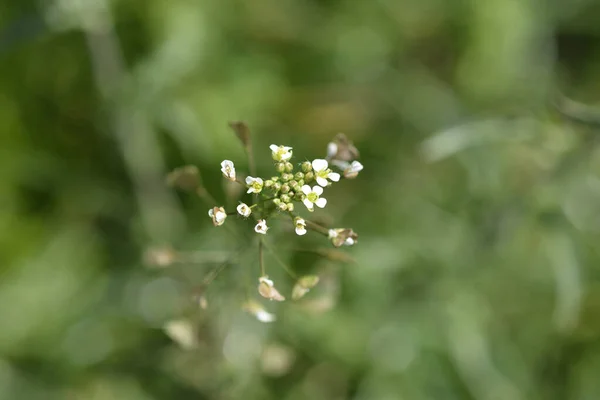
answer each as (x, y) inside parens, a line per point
(280, 153)
(342, 237)
(244, 210)
(218, 215)
(261, 227)
(341, 149)
(267, 290)
(304, 285)
(352, 170)
(300, 225)
(312, 197)
(259, 312)
(322, 172)
(255, 185)
(228, 169)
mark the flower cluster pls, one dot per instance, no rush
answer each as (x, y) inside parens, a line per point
(289, 190)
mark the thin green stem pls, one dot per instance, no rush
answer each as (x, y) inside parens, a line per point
(261, 260)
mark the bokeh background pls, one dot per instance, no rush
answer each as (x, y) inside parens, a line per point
(476, 273)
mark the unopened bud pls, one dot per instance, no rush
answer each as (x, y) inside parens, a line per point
(285, 198)
(280, 167)
(309, 177)
(268, 183)
(282, 206)
(290, 207)
(285, 188)
(289, 167)
(306, 166)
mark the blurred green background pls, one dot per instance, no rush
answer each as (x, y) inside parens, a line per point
(476, 273)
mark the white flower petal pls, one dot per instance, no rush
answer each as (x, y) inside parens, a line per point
(319, 165)
(334, 176)
(300, 231)
(332, 149)
(264, 316)
(318, 190)
(321, 202)
(274, 147)
(322, 181)
(249, 180)
(210, 213)
(308, 204)
(306, 190)
(356, 166)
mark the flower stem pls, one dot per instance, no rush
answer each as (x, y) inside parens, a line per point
(261, 260)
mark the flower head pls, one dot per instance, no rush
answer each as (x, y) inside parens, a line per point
(312, 197)
(218, 215)
(322, 172)
(300, 225)
(280, 153)
(255, 185)
(261, 227)
(259, 312)
(267, 290)
(343, 237)
(351, 171)
(244, 210)
(228, 169)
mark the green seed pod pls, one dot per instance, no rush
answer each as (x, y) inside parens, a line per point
(309, 177)
(285, 188)
(285, 198)
(280, 167)
(289, 167)
(306, 166)
(290, 207)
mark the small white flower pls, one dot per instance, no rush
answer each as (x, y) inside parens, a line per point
(267, 290)
(228, 169)
(255, 185)
(259, 312)
(261, 227)
(322, 172)
(352, 170)
(281, 153)
(300, 226)
(343, 237)
(218, 215)
(312, 197)
(244, 210)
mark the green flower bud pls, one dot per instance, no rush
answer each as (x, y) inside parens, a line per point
(287, 177)
(289, 167)
(275, 178)
(298, 196)
(291, 194)
(299, 175)
(285, 198)
(309, 177)
(280, 167)
(268, 183)
(290, 207)
(276, 202)
(306, 166)
(282, 206)
(300, 183)
(277, 186)
(285, 188)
